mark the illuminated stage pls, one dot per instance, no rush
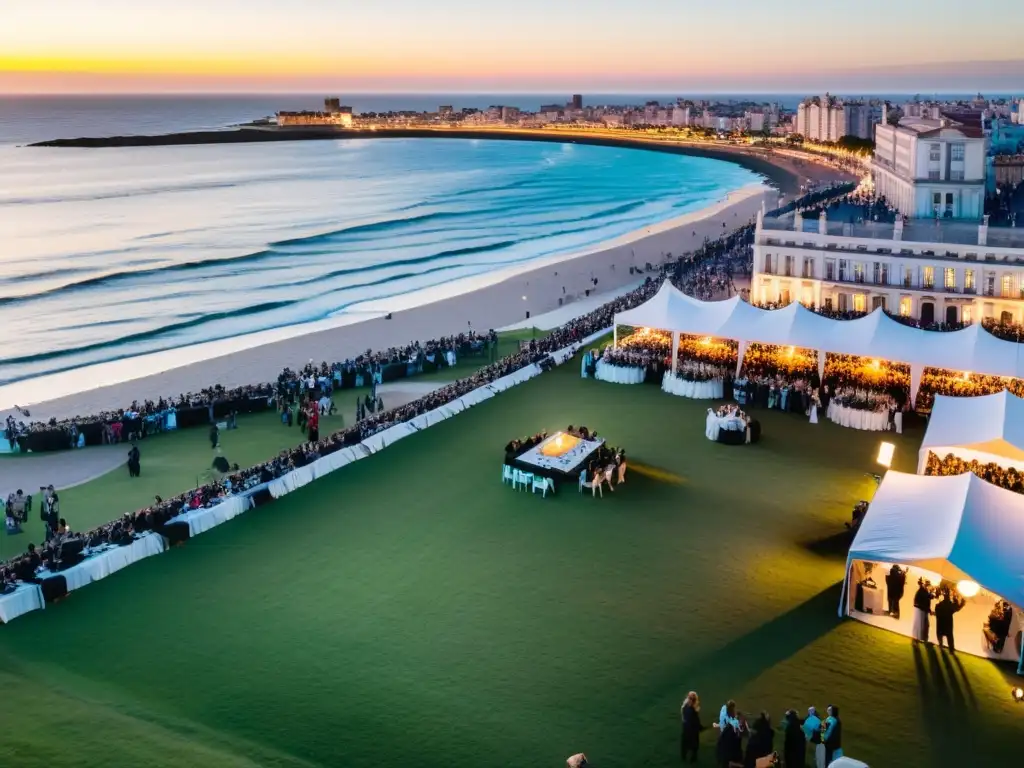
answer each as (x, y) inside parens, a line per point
(561, 455)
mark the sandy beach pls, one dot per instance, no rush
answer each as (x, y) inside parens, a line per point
(493, 301)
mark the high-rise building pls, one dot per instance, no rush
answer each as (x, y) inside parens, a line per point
(577, 101)
(826, 118)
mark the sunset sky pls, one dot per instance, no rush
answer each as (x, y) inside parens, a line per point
(66, 46)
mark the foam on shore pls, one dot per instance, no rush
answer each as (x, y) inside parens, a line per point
(493, 300)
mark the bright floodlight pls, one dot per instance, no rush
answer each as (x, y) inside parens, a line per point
(1017, 694)
(885, 452)
(968, 588)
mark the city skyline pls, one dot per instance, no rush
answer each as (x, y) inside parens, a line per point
(59, 46)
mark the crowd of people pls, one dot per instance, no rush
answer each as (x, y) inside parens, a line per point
(311, 384)
(823, 737)
(1004, 477)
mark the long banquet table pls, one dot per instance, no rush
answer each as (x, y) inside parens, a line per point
(27, 597)
(857, 418)
(618, 374)
(712, 389)
(110, 559)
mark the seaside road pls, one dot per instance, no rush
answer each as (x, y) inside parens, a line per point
(66, 469)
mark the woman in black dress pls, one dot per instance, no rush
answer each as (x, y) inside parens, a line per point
(795, 748)
(730, 740)
(689, 741)
(762, 740)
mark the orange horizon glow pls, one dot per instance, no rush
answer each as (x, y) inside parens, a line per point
(598, 45)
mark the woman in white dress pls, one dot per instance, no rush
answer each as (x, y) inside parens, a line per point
(713, 426)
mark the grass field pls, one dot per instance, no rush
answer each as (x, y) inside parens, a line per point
(409, 610)
(178, 461)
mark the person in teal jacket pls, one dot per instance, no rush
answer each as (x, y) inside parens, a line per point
(833, 735)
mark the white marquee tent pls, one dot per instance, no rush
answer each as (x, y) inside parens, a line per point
(972, 349)
(989, 428)
(959, 527)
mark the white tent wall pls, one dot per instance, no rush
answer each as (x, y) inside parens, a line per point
(989, 428)
(876, 335)
(958, 527)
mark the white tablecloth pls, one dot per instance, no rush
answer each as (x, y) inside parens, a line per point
(715, 424)
(875, 421)
(110, 561)
(698, 390)
(202, 520)
(27, 597)
(617, 374)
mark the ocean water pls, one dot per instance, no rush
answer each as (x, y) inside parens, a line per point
(110, 254)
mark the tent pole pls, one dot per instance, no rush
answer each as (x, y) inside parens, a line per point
(842, 592)
(675, 351)
(615, 335)
(739, 357)
(1020, 666)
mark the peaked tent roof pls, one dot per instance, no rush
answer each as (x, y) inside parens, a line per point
(958, 526)
(989, 423)
(875, 335)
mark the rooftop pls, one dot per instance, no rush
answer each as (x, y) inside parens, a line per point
(914, 231)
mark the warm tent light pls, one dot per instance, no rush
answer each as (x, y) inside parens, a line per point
(885, 453)
(791, 351)
(1017, 694)
(967, 376)
(932, 578)
(875, 364)
(968, 588)
(706, 341)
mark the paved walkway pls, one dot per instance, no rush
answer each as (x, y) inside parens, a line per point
(66, 469)
(62, 469)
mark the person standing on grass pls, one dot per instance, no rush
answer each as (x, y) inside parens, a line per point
(794, 749)
(895, 582)
(689, 740)
(944, 610)
(313, 425)
(922, 610)
(812, 735)
(833, 735)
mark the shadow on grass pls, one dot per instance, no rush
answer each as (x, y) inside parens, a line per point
(835, 546)
(737, 663)
(947, 697)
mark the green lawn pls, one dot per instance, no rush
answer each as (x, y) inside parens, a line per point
(409, 610)
(178, 461)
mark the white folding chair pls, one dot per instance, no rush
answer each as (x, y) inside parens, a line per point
(521, 478)
(541, 483)
(583, 480)
(507, 474)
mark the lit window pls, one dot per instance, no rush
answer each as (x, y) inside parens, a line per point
(1007, 285)
(949, 278)
(969, 279)
(967, 313)
(929, 277)
(956, 152)
(858, 302)
(905, 306)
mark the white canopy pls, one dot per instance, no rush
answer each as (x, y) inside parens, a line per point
(960, 527)
(989, 428)
(876, 335)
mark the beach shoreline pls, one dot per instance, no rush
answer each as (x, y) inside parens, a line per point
(496, 300)
(785, 172)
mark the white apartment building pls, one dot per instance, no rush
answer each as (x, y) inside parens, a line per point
(927, 168)
(824, 118)
(927, 270)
